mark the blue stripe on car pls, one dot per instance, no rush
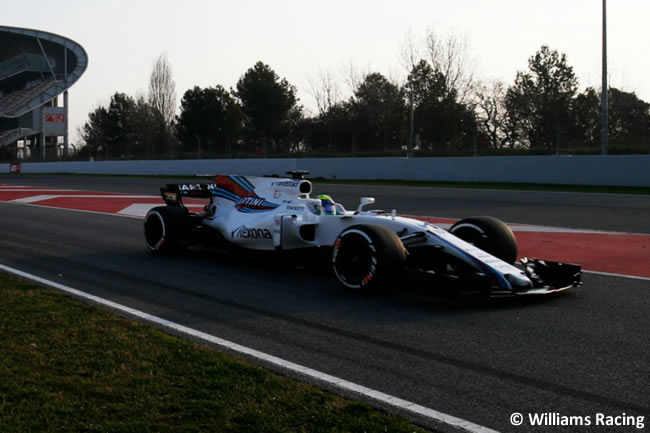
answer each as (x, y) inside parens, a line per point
(244, 180)
(243, 183)
(503, 283)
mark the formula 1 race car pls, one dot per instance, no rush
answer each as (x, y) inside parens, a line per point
(367, 248)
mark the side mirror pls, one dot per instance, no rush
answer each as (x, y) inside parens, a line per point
(365, 201)
(315, 204)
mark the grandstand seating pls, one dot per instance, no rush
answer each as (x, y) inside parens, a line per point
(14, 101)
(11, 136)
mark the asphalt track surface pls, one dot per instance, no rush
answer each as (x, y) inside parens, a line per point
(579, 353)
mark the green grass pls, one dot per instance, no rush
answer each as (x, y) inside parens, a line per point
(66, 366)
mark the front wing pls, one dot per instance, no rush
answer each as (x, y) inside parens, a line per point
(549, 277)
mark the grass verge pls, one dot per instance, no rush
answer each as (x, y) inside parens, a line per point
(66, 366)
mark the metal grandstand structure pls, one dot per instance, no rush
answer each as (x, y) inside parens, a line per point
(36, 67)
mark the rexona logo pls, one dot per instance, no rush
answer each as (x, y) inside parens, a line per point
(243, 232)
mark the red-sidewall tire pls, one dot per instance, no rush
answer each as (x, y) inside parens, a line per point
(367, 257)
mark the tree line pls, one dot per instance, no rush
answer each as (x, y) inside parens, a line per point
(440, 105)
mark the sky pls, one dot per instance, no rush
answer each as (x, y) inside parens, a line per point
(210, 42)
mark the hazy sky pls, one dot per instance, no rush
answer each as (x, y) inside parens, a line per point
(215, 42)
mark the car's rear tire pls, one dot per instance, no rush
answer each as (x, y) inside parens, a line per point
(166, 229)
(367, 257)
(489, 234)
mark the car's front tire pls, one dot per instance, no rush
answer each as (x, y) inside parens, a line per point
(166, 229)
(367, 257)
(489, 234)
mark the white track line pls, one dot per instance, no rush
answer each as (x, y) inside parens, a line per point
(320, 377)
(516, 227)
(535, 229)
(74, 210)
(141, 209)
(37, 198)
(610, 274)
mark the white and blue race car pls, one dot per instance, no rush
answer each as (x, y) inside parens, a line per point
(367, 248)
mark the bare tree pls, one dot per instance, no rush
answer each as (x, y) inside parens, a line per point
(353, 77)
(162, 90)
(491, 113)
(452, 56)
(410, 52)
(326, 92)
(162, 99)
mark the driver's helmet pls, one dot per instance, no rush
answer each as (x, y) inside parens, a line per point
(328, 205)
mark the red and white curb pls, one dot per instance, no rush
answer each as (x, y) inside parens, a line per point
(607, 253)
(110, 203)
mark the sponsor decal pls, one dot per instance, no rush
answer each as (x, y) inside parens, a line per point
(243, 232)
(197, 186)
(373, 268)
(251, 201)
(190, 187)
(55, 118)
(14, 167)
(289, 183)
(254, 203)
(296, 208)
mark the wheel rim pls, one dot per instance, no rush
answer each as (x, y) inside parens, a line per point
(355, 259)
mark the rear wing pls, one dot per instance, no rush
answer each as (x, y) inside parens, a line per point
(173, 193)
